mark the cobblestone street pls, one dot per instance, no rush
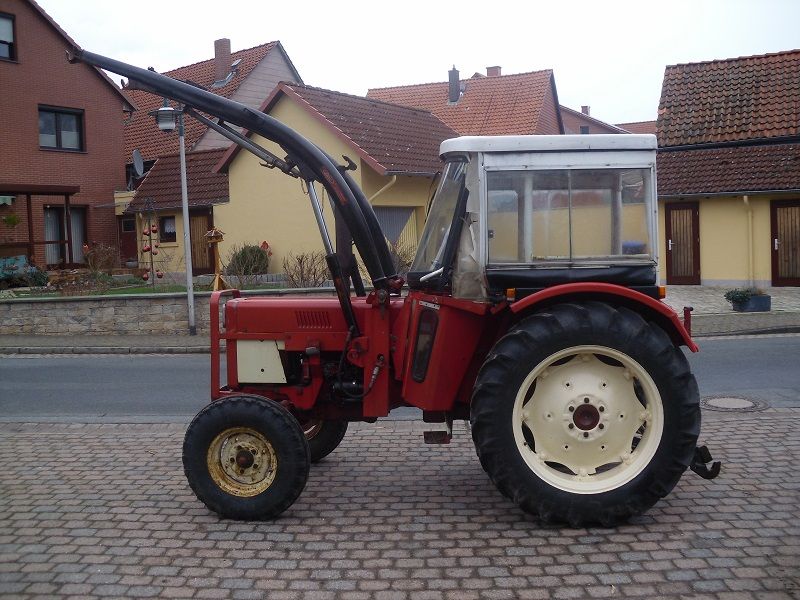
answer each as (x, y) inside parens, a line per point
(104, 511)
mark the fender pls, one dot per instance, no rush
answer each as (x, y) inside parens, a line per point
(664, 315)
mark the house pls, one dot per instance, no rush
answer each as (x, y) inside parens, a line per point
(495, 104)
(729, 171)
(246, 76)
(395, 150)
(63, 148)
(158, 205)
(582, 122)
(639, 127)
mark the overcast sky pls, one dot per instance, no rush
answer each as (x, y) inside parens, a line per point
(609, 55)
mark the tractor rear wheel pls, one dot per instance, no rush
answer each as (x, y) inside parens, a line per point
(246, 457)
(585, 413)
(323, 437)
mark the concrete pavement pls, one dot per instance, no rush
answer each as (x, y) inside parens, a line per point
(104, 511)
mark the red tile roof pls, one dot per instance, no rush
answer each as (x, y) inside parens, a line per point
(639, 127)
(573, 119)
(503, 105)
(162, 184)
(142, 132)
(728, 100)
(755, 168)
(392, 139)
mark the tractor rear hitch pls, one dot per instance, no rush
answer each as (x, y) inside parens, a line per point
(699, 465)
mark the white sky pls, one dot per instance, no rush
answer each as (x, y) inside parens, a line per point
(609, 55)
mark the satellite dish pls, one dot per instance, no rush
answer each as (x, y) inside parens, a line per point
(138, 163)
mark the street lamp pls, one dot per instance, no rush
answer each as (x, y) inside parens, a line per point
(167, 118)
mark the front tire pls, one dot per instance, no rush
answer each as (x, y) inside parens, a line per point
(585, 413)
(323, 437)
(246, 457)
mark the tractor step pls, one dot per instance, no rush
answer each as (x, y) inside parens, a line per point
(437, 437)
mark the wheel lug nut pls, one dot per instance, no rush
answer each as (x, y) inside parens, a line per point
(585, 434)
(586, 400)
(572, 425)
(601, 409)
(571, 409)
(601, 426)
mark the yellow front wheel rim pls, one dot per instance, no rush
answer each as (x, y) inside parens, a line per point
(242, 462)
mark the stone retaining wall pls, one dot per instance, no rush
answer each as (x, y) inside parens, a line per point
(156, 314)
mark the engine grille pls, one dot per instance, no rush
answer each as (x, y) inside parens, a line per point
(312, 319)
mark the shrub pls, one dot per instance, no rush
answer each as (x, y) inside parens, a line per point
(739, 295)
(246, 263)
(100, 257)
(36, 277)
(307, 269)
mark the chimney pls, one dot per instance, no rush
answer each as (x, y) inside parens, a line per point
(222, 59)
(493, 71)
(454, 90)
(585, 110)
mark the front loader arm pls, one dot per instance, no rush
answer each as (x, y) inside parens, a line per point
(312, 163)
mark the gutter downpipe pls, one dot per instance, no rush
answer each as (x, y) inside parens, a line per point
(750, 270)
(392, 181)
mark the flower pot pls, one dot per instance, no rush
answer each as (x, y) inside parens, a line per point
(762, 303)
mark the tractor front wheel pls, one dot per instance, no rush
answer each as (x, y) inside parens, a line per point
(246, 457)
(585, 413)
(323, 437)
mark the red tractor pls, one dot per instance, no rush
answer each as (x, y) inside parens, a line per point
(532, 310)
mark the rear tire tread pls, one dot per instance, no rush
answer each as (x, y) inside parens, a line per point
(576, 321)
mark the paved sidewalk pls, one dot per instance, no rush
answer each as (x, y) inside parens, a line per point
(712, 315)
(103, 511)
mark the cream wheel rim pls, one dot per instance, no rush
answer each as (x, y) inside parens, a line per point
(242, 462)
(588, 419)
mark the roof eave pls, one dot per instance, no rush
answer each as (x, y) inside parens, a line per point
(675, 196)
(99, 72)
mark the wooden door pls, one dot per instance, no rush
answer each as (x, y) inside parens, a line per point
(127, 238)
(683, 243)
(785, 218)
(199, 224)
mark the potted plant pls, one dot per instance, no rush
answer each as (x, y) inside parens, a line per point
(749, 300)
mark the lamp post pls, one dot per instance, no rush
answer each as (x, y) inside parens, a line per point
(167, 118)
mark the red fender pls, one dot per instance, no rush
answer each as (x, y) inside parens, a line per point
(669, 316)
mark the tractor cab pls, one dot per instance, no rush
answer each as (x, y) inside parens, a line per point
(529, 212)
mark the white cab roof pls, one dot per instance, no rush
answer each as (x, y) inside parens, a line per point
(548, 143)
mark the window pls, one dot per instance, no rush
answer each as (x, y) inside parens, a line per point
(569, 215)
(584, 129)
(167, 227)
(8, 49)
(128, 225)
(60, 128)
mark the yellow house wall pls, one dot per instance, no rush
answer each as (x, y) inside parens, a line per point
(724, 255)
(267, 205)
(121, 201)
(591, 231)
(405, 191)
(170, 254)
